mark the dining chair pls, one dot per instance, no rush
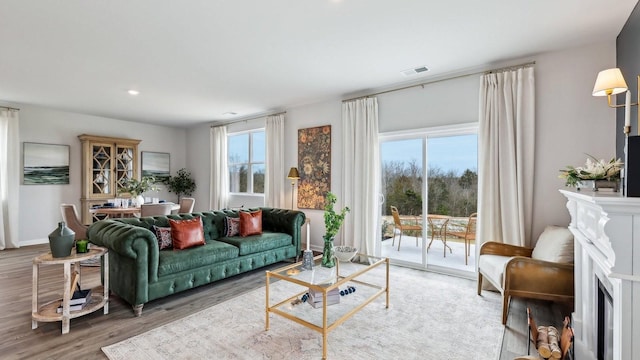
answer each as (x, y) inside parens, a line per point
(155, 209)
(397, 221)
(70, 217)
(468, 234)
(186, 205)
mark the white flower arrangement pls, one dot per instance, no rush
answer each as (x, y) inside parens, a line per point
(593, 169)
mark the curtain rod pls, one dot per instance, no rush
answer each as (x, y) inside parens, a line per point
(514, 67)
(9, 108)
(248, 119)
(445, 79)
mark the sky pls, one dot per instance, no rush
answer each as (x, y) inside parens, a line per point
(457, 153)
(36, 154)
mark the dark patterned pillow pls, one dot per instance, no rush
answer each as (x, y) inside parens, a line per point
(163, 234)
(231, 226)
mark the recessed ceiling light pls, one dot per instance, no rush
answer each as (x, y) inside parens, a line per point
(230, 113)
(133, 92)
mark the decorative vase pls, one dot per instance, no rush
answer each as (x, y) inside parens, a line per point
(137, 200)
(328, 260)
(594, 185)
(61, 241)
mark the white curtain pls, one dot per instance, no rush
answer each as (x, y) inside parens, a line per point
(361, 171)
(219, 190)
(506, 156)
(274, 187)
(9, 178)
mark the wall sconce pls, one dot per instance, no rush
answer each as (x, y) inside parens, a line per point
(293, 176)
(611, 82)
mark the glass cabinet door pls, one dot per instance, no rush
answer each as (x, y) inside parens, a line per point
(101, 172)
(124, 165)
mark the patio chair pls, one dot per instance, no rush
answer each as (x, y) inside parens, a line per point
(468, 234)
(414, 226)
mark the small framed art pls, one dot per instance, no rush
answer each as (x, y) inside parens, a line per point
(156, 164)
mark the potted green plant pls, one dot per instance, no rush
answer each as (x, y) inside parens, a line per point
(332, 223)
(181, 184)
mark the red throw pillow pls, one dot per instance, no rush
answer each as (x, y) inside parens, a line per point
(250, 223)
(186, 233)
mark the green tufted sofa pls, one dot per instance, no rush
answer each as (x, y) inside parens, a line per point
(139, 272)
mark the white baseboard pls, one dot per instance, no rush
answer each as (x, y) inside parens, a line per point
(34, 242)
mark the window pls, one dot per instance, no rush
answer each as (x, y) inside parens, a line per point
(246, 162)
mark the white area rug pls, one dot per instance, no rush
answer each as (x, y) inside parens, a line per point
(431, 316)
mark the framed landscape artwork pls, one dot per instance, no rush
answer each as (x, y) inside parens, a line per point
(45, 164)
(314, 164)
(156, 164)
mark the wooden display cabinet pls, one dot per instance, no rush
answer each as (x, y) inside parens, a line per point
(107, 164)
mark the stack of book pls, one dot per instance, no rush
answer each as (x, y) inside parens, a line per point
(315, 297)
(78, 301)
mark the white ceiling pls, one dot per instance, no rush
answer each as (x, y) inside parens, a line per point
(193, 60)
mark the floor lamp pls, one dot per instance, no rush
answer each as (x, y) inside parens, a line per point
(293, 176)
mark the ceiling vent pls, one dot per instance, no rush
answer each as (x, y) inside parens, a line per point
(415, 71)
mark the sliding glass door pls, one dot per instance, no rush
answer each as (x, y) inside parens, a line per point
(427, 223)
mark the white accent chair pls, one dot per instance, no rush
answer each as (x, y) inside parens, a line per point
(544, 272)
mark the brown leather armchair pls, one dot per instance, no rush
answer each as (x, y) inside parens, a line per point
(545, 272)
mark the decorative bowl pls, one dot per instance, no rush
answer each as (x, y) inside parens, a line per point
(344, 253)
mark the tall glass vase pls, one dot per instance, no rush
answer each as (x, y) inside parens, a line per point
(328, 260)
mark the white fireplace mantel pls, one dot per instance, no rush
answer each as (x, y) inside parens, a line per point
(606, 228)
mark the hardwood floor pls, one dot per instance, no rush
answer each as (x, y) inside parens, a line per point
(89, 333)
(516, 332)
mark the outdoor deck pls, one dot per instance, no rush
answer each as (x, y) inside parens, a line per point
(409, 252)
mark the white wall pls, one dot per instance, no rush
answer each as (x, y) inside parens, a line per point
(441, 103)
(40, 204)
(199, 163)
(569, 123)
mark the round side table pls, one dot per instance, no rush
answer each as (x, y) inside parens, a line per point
(99, 295)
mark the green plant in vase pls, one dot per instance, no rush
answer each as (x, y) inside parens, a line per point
(137, 187)
(332, 223)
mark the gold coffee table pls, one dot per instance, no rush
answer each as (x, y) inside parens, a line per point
(323, 280)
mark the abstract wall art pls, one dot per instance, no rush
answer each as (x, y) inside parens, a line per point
(314, 164)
